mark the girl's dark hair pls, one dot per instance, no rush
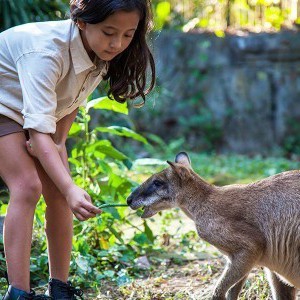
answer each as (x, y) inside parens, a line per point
(127, 71)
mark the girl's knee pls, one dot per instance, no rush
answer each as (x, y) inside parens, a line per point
(28, 188)
(34, 189)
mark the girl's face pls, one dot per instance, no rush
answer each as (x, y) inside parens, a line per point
(109, 38)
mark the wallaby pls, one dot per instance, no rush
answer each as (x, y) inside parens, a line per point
(255, 224)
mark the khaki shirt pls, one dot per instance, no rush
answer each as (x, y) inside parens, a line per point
(45, 73)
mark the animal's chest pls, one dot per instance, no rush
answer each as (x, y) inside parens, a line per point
(215, 233)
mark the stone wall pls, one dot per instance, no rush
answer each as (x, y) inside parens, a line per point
(233, 94)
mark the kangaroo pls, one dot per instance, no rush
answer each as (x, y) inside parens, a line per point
(256, 224)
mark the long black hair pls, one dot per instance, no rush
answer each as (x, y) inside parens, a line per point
(127, 72)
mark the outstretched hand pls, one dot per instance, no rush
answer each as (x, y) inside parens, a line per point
(78, 199)
(81, 204)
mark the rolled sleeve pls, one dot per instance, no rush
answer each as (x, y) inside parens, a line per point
(39, 73)
(39, 122)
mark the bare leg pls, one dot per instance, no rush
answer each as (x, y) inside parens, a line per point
(18, 171)
(59, 228)
(280, 290)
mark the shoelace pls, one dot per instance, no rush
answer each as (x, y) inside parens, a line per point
(71, 291)
(76, 292)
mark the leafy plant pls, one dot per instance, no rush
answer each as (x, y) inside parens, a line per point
(13, 13)
(101, 169)
(100, 247)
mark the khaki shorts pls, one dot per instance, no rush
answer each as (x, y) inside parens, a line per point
(8, 126)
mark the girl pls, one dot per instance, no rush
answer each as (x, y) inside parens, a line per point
(47, 70)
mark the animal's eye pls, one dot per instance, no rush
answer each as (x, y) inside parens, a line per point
(158, 183)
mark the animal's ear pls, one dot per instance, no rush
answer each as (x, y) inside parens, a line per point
(182, 171)
(183, 158)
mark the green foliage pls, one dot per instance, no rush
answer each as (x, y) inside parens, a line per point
(291, 143)
(100, 248)
(101, 169)
(167, 149)
(14, 13)
(162, 14)
(229, 169)
(187, 15)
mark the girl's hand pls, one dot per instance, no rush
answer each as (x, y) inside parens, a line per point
(81, 204)
(30, 148)
(31, 151)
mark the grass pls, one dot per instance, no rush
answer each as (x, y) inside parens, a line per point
(239, 168)
(222, 169)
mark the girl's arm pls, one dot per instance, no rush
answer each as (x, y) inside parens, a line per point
(60, 136)
(46, 149)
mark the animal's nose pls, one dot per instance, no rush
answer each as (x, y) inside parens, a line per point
(129, 200)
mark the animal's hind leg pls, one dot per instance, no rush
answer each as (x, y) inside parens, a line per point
(234, 292)
(280, 290)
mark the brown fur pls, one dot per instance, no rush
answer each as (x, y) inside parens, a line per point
(255, 224)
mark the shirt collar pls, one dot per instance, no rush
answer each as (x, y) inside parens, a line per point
(81, 59)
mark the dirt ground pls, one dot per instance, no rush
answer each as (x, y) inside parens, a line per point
(190, 281)
(175, 278)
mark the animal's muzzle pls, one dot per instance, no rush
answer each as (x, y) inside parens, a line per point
(129, 200)
(133, 202)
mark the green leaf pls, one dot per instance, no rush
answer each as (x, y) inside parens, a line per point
(3, 209)
(123, 278)
(82, 263)
(128, 163)
(108, 104)
(117, 234)
(115, 180)
(75, 129)
(163, 11)
(122, 131)
(74, 161)
(148, 232)
(105, 147)
(109, 273)
(141, 238)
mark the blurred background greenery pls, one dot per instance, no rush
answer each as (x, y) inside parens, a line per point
(175, 14)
